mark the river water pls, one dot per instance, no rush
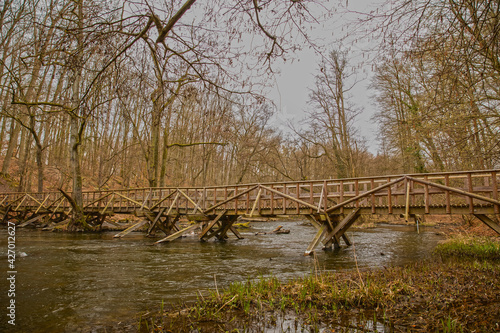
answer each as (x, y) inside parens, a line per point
(87, 282)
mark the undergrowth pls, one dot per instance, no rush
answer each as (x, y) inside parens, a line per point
(438, 295)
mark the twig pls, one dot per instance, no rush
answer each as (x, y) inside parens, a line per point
(232, 299)
(356, 262)
(216, 289)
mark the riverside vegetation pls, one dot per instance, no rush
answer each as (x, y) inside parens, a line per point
(456, 290)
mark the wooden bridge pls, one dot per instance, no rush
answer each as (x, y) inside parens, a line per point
(331, 205)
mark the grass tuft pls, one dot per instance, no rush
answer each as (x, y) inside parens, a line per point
(474, 247)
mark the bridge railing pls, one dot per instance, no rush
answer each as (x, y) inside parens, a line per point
(470, 189)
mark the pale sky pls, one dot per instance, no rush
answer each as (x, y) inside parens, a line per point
(291, 91)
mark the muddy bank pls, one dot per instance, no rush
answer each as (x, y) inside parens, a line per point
(456, 291)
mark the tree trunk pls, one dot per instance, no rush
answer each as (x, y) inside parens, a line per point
(14, 136)
(78, 221)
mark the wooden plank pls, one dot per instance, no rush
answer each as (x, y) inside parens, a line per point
(315, 241)
(311, 195)
(130, 229)
(426, 197)
(99, 199)
(272, 201)
(389, 198)
(284, 199)
(297, 189)
(41, 205)
(448, 199)
(179, 233)
(365, 194)
(236, 232)
(356, 187)
(289, 197)
(407, 208)
(489, 222)
(24, 198)
(173, 203)
(131, 200)
(494, 183)
(211, 224)
(346, 240)
(226, 226)
(36, 218)
(257, 199)
(162, 200)
(451, 189)
(247, 191)
(342, 227)
(157, 218)
(313, 221)
(7, 211)
(321, 199)
(372, 185)
(471, 189)
(107, 204)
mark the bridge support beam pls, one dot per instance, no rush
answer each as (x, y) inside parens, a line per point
(6, 214)
(489, 222)
(179, 233)
(219, 227)
(339, 230)
(331, 233)
(162, 222)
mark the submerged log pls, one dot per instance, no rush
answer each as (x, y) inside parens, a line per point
(277, 231)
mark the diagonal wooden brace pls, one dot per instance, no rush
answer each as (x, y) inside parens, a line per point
(319, 235)
(226, 226)
(341, 228)
(130, 229)
(179, 233)
(211, 224)
(156, 219)
(489, 222)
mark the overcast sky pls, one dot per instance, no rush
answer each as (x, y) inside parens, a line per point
(291, 92)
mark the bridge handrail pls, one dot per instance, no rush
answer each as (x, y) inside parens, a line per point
(345, 181)
(471, 189)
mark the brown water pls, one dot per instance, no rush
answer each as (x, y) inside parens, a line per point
(87, 282)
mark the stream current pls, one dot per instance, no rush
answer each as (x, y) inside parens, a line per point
(87, 282)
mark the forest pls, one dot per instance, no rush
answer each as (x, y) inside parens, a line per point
(111, 94)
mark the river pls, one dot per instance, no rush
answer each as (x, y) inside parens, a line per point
(88, 282)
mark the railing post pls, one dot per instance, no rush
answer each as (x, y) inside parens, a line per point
(407, 207)
(272, 200)
(356, 189)
(372, 184)
(248, 200)
(204, 200)
(470, 188)
(311, 195)
(225, 197)
(236, 200)
(389, 197)
(325, 195)
(215, 196)
(448, 203)
(298, 197)
(341, 196)
(426, 196)
(284, 199)
(495, 190)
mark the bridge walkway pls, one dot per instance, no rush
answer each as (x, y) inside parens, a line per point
(331, 205)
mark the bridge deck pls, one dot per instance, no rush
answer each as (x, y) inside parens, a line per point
(327, 201)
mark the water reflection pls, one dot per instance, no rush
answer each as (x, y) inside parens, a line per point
(75, 282)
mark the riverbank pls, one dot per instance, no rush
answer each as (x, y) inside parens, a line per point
(456, 291)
